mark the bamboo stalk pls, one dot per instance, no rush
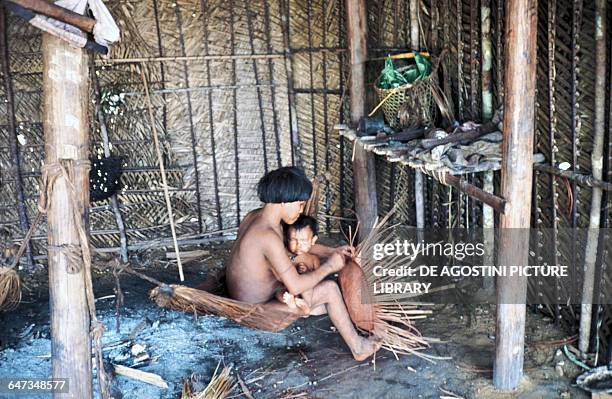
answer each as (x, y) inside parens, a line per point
(597, 171)
(163, 171)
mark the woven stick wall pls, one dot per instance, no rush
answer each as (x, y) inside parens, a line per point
(224, 121)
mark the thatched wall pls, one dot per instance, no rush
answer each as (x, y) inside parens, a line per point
(224, 122)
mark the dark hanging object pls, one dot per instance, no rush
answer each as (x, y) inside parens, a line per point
(105, 177)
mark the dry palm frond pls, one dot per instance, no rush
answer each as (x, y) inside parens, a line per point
(219, 387)
(386, 317)
(10, 289)
(260, 316)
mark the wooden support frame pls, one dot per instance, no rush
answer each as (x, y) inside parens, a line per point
(516, 183)
(599, 124)
(364, 173)
(419, 180)
(67, 137)
(488, 216)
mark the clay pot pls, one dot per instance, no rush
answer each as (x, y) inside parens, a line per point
(357, 296)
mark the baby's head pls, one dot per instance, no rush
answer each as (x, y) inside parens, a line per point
(301, 235)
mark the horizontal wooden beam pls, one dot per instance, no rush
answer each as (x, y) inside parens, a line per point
(588, 180)
(212, 57)
(495, 202)
(82, 22)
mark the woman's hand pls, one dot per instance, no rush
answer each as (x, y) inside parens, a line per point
(336, 262)
(346, 250)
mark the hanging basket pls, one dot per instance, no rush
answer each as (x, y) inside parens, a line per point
(409, 105)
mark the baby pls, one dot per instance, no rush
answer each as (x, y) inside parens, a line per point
(299, 239)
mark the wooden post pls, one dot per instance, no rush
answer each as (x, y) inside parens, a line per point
(12, 134)
(107, 153)
(597, 170)
(364, 173)
(488, 217)
(66, 100)
(419, 194)
(516, 182)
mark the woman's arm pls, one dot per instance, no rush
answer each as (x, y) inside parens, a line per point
(325, 251)
(322, 250)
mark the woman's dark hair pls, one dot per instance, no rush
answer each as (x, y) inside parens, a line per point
(287, 184)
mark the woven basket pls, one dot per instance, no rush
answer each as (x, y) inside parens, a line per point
(412, 104)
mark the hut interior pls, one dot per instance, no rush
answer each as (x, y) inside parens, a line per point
(199, 99)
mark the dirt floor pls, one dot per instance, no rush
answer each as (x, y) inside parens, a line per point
(308, 360)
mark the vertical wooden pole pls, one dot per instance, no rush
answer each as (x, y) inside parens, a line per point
(516, 182)
(364, 173)
(66, 98)
(12, 134)
(419, 195)
(488, 216)
(106, 146)
(291, 100)
(597, 170)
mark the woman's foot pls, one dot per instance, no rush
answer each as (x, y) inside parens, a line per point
(365, 348)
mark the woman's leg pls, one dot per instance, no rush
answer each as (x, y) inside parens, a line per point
(328, 293)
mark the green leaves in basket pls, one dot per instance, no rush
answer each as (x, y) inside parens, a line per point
(390, 77)
(420, 70)
(423, 64)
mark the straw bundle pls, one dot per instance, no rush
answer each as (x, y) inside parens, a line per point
(382, 316)
(10, 289)
(258, 316)
(219, 387)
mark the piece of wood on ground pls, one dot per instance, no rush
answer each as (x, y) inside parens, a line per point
(189, 256)
(143, 376)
